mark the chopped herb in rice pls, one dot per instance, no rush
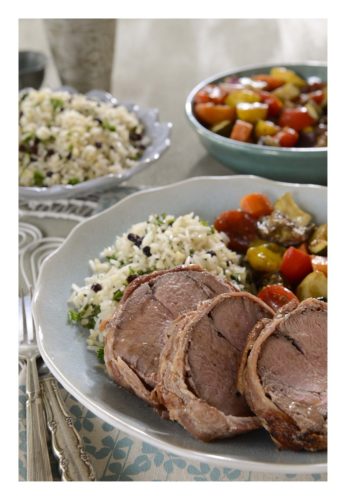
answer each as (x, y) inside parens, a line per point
(74, 138)
(172, 241)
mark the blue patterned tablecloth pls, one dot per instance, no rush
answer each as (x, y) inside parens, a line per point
(117, 456)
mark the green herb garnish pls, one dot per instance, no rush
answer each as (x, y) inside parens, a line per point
(38, 178)
(74, 181)
(136, 156)
(57, 103)
(73, 316)
(27, 137)
(101, 354)
(108, 126)
(111, 257)
(86, 316)
(117, 295)
(160, 219)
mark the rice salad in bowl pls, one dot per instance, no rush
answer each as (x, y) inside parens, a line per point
(67, 138)
(161, 242)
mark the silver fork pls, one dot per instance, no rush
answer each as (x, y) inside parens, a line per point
(38, 462)
(74, 463)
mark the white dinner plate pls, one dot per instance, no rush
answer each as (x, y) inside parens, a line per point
(63, 346)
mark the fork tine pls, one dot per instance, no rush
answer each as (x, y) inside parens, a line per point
(32, 317)
(24, 321)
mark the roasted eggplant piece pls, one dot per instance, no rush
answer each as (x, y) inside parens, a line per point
(287, 225)
(278, 228)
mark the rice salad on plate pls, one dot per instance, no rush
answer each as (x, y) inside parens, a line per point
(161, 242)
(68, 138)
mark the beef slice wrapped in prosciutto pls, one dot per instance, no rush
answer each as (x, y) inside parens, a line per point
(283, 375)
(199, 366)
(136, 335)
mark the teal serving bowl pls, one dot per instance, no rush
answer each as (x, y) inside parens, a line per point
(307, 165)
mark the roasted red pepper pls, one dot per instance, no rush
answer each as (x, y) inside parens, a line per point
(295, 265)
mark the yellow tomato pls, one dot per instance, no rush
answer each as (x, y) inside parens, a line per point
(266, 257)
(252, 112)
(265, 127)
(287, 75)
(243, 95)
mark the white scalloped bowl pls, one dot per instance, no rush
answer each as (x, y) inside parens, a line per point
(63, 346)
(158, 133)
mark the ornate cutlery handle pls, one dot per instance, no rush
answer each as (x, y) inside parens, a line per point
(38, 463)
(67, 445)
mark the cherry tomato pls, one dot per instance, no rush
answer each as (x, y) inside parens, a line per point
(295, 265)
(214, 113)
(274, 103)
(297, 118)
(276, 296)
(211, 93)
(256, 204)
(239, 226)
(287, 137)
(265, 258)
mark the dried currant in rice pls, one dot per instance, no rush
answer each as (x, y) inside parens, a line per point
(211, 252)
(135, 238)
(96, 287)
(135, 136)
(146, 250)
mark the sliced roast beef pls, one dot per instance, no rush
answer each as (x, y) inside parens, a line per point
(284, 375)
(199, 366)
(136, 335)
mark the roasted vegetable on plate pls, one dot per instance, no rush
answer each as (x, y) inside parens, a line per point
(283, 249)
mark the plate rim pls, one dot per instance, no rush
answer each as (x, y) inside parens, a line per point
(118, 422)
